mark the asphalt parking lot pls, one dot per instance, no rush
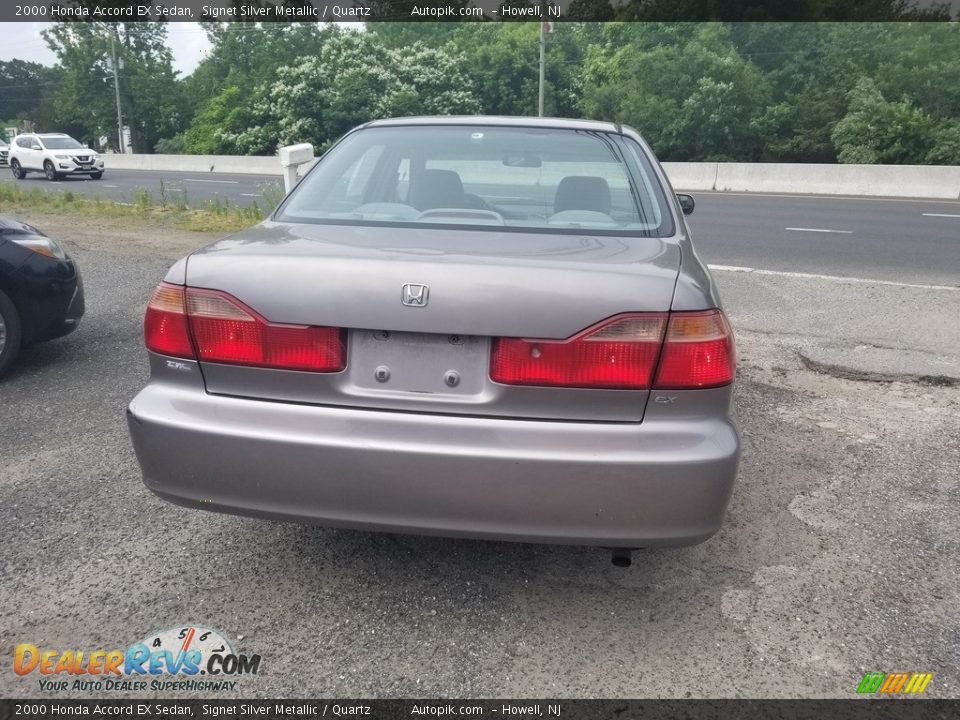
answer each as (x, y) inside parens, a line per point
(838, 556)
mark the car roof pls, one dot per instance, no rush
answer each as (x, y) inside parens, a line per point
(51, 135)
(500, 121)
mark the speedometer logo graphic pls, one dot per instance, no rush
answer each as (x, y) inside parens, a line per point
(184, 639)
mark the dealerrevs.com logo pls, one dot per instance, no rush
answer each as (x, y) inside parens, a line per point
(189, 658)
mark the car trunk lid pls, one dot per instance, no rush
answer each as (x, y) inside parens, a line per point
(422, 305)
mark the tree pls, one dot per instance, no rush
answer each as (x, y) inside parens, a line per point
(353, 79)
(780, 10)
(22, 88)
(875, 130)
(400, 10)
(215, 126)
(685, 87)
(590, 10)
(83, 99)
(503, 59)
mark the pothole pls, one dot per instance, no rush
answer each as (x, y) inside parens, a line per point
(845, 372)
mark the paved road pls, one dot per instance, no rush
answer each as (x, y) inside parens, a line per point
(900, 240)
(838, 556)
(903, 240)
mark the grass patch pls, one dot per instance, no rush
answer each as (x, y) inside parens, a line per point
(171, 208)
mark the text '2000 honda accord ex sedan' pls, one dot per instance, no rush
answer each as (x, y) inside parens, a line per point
(484, 327)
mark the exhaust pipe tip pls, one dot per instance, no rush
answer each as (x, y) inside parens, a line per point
(621, 557)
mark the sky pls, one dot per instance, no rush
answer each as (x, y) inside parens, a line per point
(22, 41)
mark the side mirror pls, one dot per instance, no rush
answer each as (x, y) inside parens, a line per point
(36, 147)
(687, 203)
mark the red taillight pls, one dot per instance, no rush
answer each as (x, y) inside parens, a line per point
(697, 352)
(223, 330)
(165, 328)
(621, 354)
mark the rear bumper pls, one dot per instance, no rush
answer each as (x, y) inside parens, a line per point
(622, 485)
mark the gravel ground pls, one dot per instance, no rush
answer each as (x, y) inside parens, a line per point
(838, 556)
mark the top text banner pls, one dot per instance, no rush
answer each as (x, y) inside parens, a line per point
(547, 11)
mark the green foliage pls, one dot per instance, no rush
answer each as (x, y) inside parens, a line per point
(776, 92)
(82, 101)
(170, 146)
(747, 91)
(503, 64)
(354, 78)
(685, 87)
(21, 88)
(780, 10)
(216, 125)
(142, 198)
(590, 10)
(946, 144)
(875, 130)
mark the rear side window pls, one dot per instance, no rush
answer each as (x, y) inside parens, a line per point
(524, 179)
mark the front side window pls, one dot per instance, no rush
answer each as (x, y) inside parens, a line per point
(532, 179)
(61, 143)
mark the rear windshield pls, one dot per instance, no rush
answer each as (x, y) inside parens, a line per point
(60, 143)
(525, 179)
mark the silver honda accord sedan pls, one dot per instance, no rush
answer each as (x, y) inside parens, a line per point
(482, 327)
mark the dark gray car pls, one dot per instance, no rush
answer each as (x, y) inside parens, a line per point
(483, 327)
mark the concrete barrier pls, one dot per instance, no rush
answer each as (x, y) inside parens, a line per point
(908, 181)
(691, 176)
(234, 164)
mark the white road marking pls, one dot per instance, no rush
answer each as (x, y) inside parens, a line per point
(808, 196)
(113, 186)
(842, 232)
(939, 215)
(224, 182)
(251, 195)
(840, 278)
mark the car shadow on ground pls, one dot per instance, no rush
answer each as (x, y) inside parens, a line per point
(39, 177)
(53, 355)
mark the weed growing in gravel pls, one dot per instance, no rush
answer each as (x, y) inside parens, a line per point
(142, 199)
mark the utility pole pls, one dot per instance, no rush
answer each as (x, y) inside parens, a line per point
(116, 87)
(545, 27)
(542, 66)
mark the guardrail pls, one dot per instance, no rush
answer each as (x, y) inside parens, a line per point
(906, 181)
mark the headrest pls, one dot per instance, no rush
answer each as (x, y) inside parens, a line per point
(436, 189)
(582, 192)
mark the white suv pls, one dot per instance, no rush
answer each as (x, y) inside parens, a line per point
(53, 154)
